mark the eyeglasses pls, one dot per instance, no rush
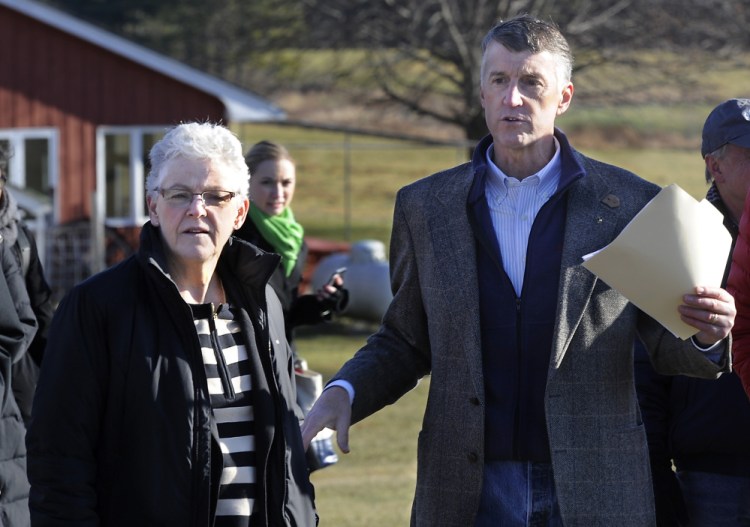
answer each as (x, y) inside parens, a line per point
(178, 197)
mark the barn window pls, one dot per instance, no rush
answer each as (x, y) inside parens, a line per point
(122, 154)
(32, 164)
(32, 174)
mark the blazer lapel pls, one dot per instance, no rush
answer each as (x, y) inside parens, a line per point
(455, 253)
(591, 223)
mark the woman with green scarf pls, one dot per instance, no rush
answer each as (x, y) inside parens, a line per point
(272, 227)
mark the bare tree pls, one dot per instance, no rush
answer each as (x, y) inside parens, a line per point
(424, 55)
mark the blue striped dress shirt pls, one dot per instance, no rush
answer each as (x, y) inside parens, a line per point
(513, 205)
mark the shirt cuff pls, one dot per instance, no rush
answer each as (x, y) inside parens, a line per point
(714, 352)
(346, 385)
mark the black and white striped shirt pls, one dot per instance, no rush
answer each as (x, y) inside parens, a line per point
(229, 386)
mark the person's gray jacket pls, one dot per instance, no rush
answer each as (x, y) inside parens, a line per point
(597, 439)
(20, 239)
(17, 329)
(122, 431)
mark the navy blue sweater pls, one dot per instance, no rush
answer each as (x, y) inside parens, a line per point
(517, 331)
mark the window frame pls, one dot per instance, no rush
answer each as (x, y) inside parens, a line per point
(17, 163)
(138, 214)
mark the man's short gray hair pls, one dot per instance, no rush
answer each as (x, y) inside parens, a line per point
(526, 33)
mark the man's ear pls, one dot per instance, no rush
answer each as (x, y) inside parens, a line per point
(565, 98)
(714, 168)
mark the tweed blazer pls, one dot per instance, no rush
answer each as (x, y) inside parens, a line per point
(597, 439)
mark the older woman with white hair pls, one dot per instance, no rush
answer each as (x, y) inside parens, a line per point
(166, 395)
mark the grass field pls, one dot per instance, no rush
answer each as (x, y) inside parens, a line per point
(346, 189)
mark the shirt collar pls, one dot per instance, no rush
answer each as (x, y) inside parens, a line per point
(546, 179)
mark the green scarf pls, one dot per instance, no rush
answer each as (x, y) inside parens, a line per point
(282, 232)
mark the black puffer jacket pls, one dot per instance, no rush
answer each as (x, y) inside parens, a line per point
(17, 329)
(122, 432)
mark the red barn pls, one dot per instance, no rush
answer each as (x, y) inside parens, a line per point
(80, 108)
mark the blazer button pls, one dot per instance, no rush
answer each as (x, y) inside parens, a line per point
(473, 457)
(474, 401)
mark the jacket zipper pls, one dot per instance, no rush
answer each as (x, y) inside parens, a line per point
(517, 416)
(221, 363)
(265, 334)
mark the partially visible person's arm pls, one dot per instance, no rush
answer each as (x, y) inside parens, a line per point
(17, 321)
(26, 370)
(331, 298)
(738, 285)
(65, 426)
(40, 296)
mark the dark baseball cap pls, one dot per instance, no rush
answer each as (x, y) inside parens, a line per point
(727, 123)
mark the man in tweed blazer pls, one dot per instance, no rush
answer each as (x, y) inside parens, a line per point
(532, 417)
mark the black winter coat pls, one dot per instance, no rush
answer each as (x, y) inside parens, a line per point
(122, 431)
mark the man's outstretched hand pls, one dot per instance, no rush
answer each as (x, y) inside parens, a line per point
(332, 410)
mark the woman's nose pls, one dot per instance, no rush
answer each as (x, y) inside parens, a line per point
(197, 206)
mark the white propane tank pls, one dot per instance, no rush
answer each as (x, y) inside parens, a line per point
(367, 279)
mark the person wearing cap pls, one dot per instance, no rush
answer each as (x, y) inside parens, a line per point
(703, 426)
